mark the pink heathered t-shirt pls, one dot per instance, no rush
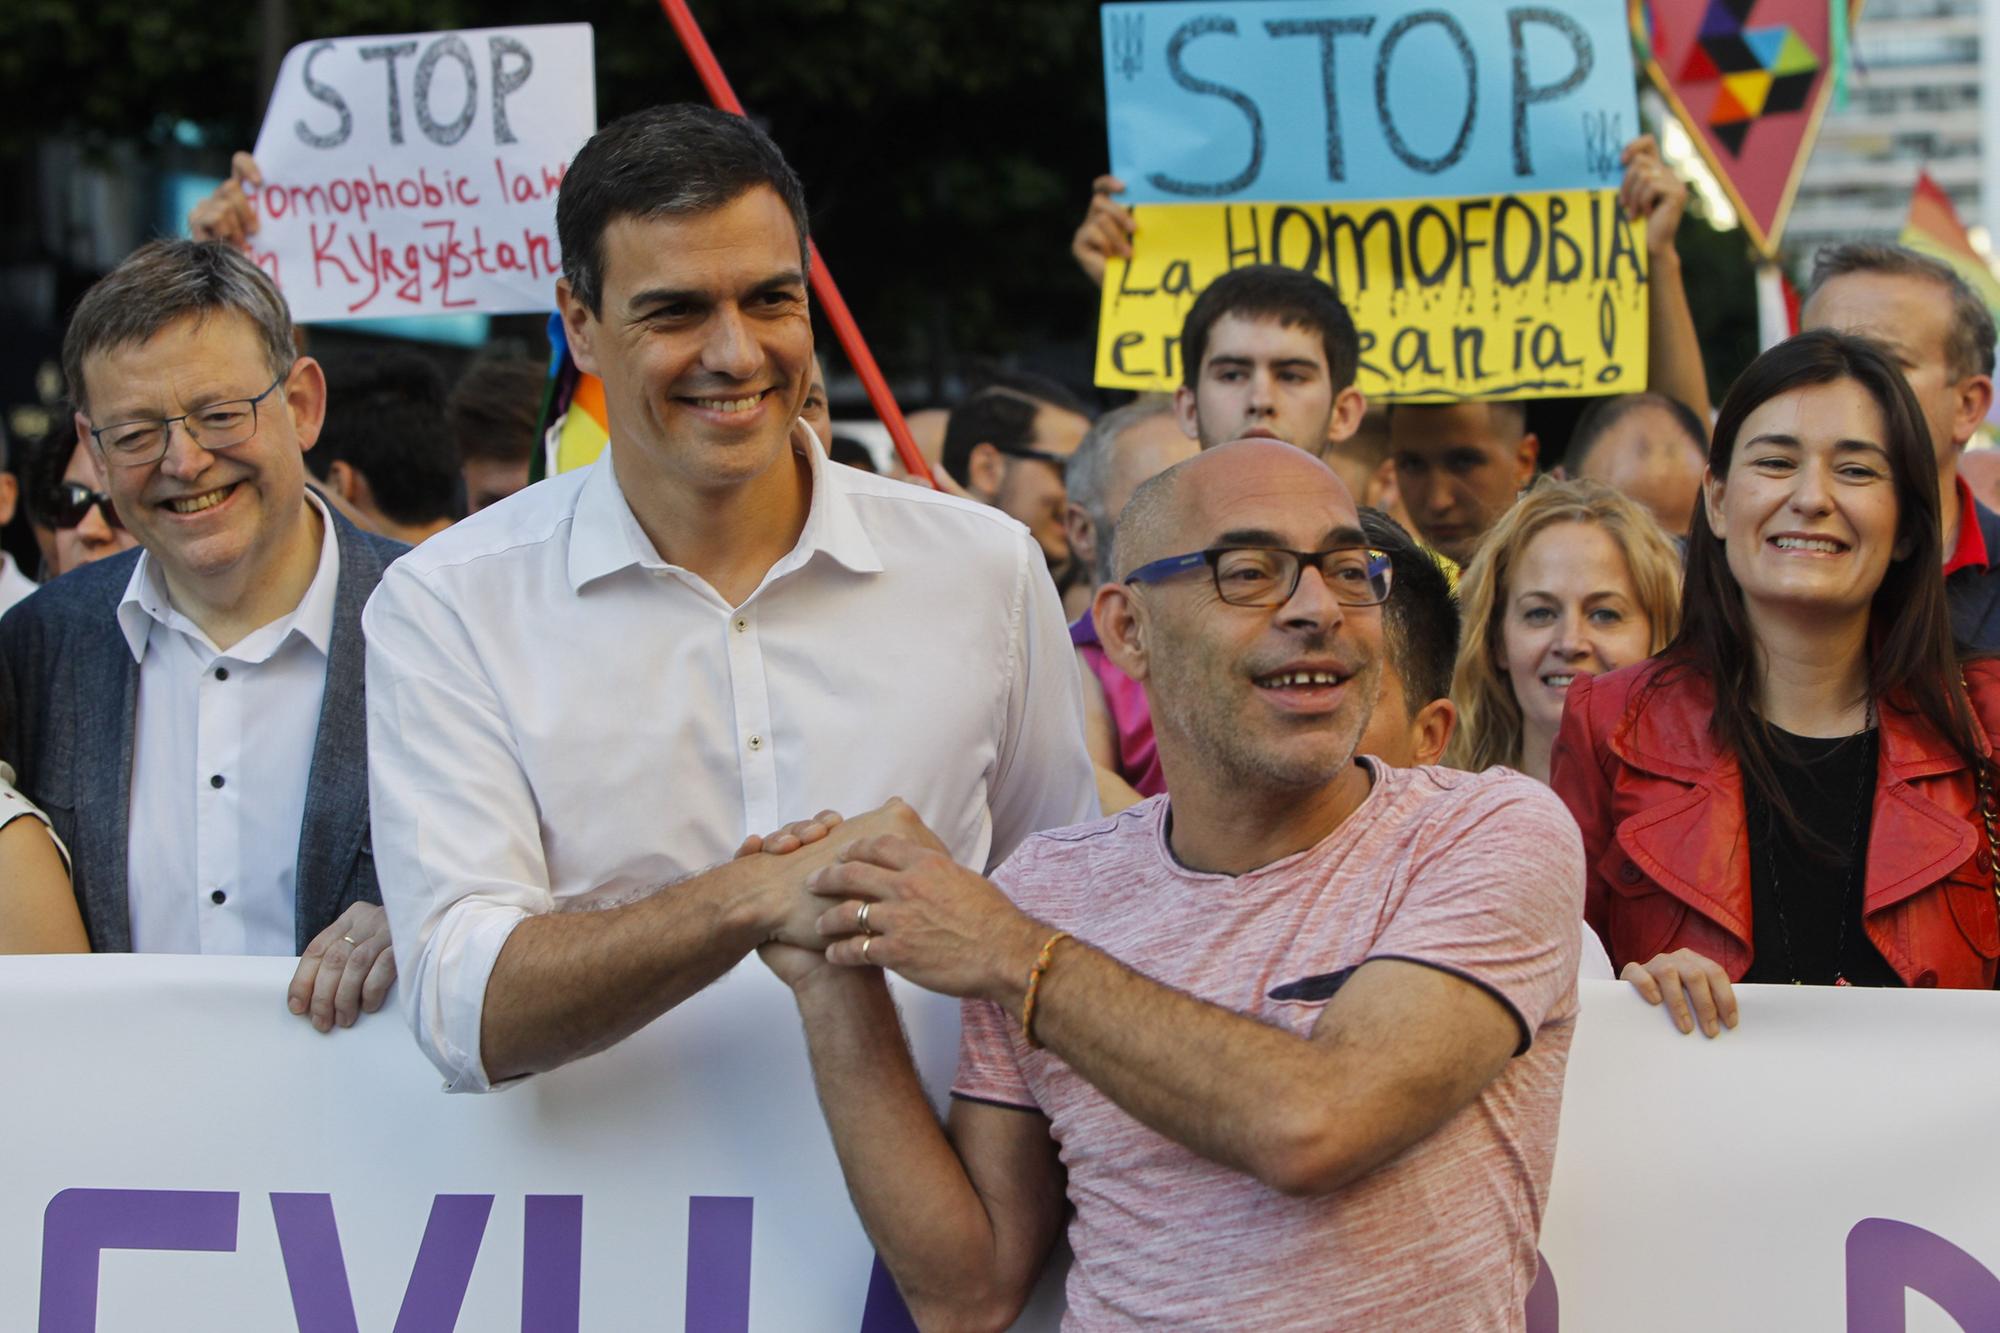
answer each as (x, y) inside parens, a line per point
(1480, 875)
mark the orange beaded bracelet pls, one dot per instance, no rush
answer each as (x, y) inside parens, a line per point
(1035, 986)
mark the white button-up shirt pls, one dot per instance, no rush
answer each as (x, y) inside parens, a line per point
(557, 717)
(221, 754)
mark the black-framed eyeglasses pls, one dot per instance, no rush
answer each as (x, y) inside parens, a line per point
(217, 426)
(1267, 576)
(73, 502)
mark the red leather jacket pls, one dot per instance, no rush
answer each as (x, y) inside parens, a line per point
(1667, 854)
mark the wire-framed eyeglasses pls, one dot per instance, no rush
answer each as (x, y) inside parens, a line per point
(221, 425)
(1267, 576)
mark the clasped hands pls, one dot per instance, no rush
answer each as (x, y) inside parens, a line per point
(884, 893)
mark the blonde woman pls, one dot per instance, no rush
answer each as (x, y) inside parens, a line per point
(1574, 581)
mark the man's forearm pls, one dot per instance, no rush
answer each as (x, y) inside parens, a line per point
(1675, 367)
(569, 984)
(1235, 1090)
(909, 1186)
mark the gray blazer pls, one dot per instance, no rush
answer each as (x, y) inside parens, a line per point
(69, 695)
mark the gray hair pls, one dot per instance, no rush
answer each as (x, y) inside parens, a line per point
(1089, 470)
(163, 282)
(1969, 346)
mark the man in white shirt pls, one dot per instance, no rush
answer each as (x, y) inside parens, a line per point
(598, 687)
(190, 714)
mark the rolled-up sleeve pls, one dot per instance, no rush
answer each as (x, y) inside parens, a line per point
(456, 828)
(1043, 778)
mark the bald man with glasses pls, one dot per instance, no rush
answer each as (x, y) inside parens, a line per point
(1286, 1044)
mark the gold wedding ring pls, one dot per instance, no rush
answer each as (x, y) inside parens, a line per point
(866, 940)
(351, 941)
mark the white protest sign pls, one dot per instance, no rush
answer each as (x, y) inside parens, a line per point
(183, 1155)
(416, 174)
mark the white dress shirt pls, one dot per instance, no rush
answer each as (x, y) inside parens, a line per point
(557, 717)
(221, 753)
(14, 585)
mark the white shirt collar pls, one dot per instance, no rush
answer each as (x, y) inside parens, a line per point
(605, 536)
(147, 604)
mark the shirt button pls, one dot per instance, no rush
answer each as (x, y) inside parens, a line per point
(222, 673)
(215, 781)
(218, 897)
(741, 624)
(756, 742)
(1629, 873)
(1927, 978)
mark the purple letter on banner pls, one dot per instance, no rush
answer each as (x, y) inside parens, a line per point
(552, 1264)
(79, 1223)
(718, 1271)
(1884, 1257)
(885, 1311)
(317, 1273)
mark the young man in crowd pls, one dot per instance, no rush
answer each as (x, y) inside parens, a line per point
(1413, 720)
(1008, 450)
(191, 716)
(1124, 449)
(1459, 466)
(1650, 447)
(1306, 1070)
(589, 695)
(1942, 335)
(1268, 352)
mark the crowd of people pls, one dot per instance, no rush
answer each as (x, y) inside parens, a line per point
(1259, 766)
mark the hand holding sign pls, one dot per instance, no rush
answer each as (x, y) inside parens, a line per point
(415, 174)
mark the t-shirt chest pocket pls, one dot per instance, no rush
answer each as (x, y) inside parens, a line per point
(1300, 989)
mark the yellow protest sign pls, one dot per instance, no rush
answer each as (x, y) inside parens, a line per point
(1510, 296)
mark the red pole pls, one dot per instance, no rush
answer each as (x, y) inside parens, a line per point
(837, 313)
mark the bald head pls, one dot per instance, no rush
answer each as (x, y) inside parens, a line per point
(1230, 489)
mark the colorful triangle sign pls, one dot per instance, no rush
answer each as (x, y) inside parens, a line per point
(1755, 139)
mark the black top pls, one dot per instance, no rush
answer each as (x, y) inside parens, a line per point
(1799, 893)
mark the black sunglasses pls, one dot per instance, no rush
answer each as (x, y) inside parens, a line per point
(73, 501)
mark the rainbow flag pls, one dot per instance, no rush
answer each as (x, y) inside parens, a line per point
(1934, 229)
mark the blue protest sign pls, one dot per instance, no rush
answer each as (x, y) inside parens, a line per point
(1365, 99)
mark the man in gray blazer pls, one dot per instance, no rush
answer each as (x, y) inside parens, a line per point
(191, 714)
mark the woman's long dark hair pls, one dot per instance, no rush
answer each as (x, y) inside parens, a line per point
(1912, 662)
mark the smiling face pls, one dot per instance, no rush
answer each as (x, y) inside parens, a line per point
(1570, 610)
(1260, 379)
(1267, 698)
(211, 518)
(1808, 514)
(703, 341)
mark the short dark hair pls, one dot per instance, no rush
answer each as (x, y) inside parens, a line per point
(1272, 291)
(1970, 345)
(495, 409)
(385, 419)
(666, 161)
(999, 417)
(1420, 619)
(1603, 416)
(166, 281)
(42, 464)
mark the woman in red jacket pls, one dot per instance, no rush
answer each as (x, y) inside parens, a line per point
(1792, 791)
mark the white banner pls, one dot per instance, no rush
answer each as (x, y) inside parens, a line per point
(416, 174)
(182, 1154)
